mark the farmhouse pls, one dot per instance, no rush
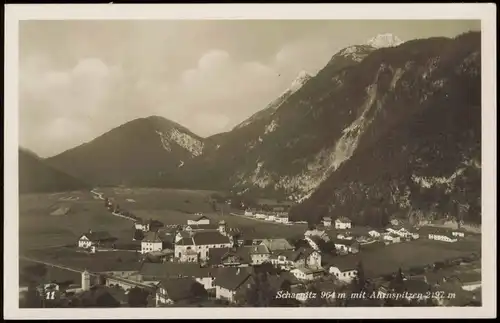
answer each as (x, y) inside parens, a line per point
(151, 242)
(91, 238)
(343, 223)
(175, 290)
(227, 257)
(327, 221)
(374, 234)
(306, 273)
(230, 282)
(199, 244)
(199, 221)
(258, 254)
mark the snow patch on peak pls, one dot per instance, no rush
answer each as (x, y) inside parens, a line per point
(384, 40)
(353, 53)
(299, 81)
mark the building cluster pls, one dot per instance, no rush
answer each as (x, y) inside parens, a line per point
(201, 257)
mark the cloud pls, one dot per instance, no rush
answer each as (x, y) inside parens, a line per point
(62, 108)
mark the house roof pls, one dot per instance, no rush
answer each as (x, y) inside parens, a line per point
(277, 244)
(186, 241)
(258, 249)
(209, 238)
(232, 278)
(202, 218)
(343, 219)
(173, 269)
(203, 226)
(216, 255)
(327, 218)
(307, 270)
(178, 288)
(152, 237)
(98, 236)
(345, 242)
(112, 295)
(345, 263)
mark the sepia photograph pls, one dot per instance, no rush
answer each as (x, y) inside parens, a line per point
(192, 165)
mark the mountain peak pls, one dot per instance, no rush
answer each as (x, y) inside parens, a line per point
(300, 80)
(384, 40)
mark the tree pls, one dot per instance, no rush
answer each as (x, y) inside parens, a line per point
(32, 298)
(260, 293)
(198, 292)
(137, 297)
(327, 247)
(35, 272)
(138, 235)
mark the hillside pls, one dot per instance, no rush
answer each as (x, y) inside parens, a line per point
(140, 152)
(385, 128)
(395, 128)
(35, 176)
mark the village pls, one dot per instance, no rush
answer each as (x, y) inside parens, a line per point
(203, 262)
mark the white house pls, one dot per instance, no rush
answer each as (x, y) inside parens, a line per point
(270, 217)
(374, 234)
(231, 281)
(306, 273)
(172, 290)
(201, 220)
(151, 243)
(327, 221)
(441, 237)
(346, 246)
(258, 254)
(458, 233)
(281, 219)
(248, 213)
(343, 273)
(199, 244)
(343, 223)
(345, 236)
(91, 238)
(392, 237)
(143, 226)
(260, 215)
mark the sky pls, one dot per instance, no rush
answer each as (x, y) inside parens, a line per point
(80, 79)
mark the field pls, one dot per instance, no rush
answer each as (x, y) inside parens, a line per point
(40, 230)
(388, 259)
